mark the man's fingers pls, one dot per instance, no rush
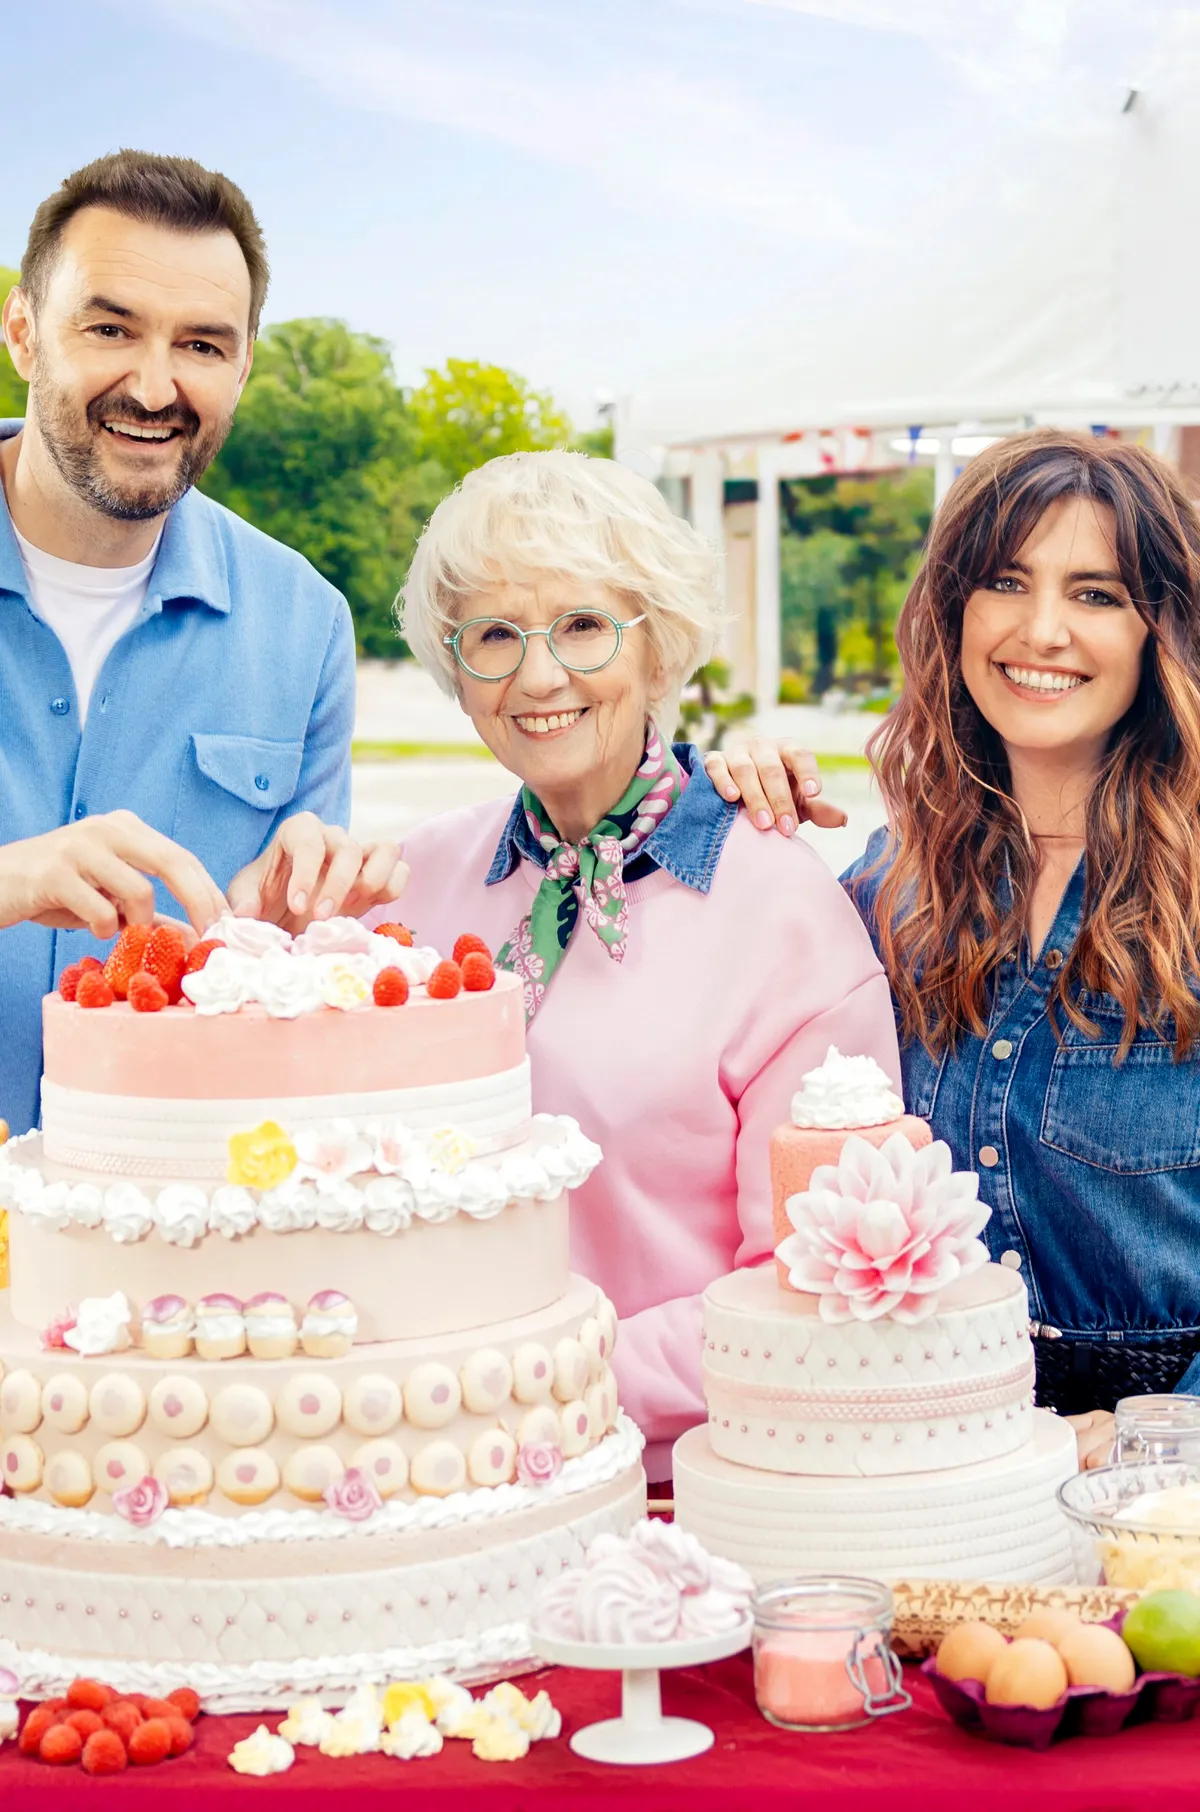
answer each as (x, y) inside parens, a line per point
(717, 769)
(186, 879)
(78, 905)
(129, 890)
(304, 843)
(340, 876)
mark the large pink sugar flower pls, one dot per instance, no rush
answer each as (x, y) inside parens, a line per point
(882, 1232)
(142, 1503)
(538, 1462)
(353, 1496)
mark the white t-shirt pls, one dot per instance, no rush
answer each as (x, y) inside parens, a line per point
(89, 608)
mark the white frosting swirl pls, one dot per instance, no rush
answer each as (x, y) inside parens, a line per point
(101, 1326)
(261, 1754)
(334, 937)
(232, 1211)
(248, 937)
(342, 1210)
(290, 1208)
(320, 1322)
(845, 1092)
(288, 985)
(86, 1206)
(181, 1213)
(389, 1205)
(127, 1213)
(620, 1601)
(226, 982)
(411, 1736)
(52, 1207)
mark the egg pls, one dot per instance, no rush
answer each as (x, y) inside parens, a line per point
(969, 1650)
(1047, 1625)
(1096, 1656)
(1029, 1672)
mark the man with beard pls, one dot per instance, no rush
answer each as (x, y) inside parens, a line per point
(176, 689)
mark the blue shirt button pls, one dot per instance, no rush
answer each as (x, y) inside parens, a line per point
(81, 810)
(60, 706)
(262, 782)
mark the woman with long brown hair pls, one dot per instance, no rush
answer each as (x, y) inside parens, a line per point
(1035, 896)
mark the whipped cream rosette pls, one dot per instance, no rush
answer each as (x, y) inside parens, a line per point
(655, 1585)
(845, 1092)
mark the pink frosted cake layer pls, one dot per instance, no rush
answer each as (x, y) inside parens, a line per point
(431, 1279)
(796, 1152)
(183, 1055)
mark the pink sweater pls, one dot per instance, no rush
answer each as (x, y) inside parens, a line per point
(679, 1061)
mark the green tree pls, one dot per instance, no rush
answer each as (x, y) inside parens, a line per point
(12, 388)
(469, 412)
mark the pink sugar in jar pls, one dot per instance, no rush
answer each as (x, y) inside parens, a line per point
(822, 1654)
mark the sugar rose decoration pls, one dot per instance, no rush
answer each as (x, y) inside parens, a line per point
(353, 1496)
(538, 1462)
(143, 1503)
(262, 1158)
(883, 1232)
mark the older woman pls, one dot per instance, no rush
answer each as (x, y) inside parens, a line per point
(681, 972)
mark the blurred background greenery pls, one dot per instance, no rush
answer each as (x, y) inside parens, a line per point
(332, 456)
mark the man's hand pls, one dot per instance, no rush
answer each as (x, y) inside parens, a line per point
(312, 871)
(98, 875)
(1094, 1436)
(778, 784)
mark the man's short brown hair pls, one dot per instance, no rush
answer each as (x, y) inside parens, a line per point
(165, 191)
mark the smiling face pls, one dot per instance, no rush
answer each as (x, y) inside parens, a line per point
(575, 739)
(1052, 645)
(136, 356)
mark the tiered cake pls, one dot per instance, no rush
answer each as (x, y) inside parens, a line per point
(870, 1396)
(296, 1387)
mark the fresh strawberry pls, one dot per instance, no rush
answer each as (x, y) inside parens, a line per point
(41, 1719)
(166, 959)
(86, 1694)
(199, 953)
(93, 990)
(90, 962)
(68, 981)
(150, 1742)
(401, 933)
(122, 1717)
(478, 972)
(186, 1701)
(182, 1734)
(391, 988)
(61, 1745)
(464, 945)
(126, 958)
(445, 982)
(104, 1753)
(146, 993)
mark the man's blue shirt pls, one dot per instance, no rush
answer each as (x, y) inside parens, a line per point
(226, 708)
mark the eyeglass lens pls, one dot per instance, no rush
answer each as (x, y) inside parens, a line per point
(492, 648)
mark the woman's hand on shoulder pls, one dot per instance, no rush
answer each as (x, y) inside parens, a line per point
(1095, 1433)
(777, 783)
(312, 870)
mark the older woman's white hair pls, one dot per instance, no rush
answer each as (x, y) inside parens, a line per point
(530, 514)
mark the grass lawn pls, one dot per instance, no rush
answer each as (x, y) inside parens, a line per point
(473, 751)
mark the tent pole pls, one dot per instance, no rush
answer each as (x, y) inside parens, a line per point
(767, 628)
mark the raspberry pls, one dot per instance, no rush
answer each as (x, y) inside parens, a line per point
(137, 1700)
(86, 1694)
(186, 1702)
(391, 988)
(126, 958)
(464, 945)
(104, 1753)
(445, 982)
(87, 1723)
(166, 960)
(199, 953)
(68, 981)
(90, 962)
(401, 933)
(150, 1743)
(182, 1735)
(122, 1717)
(477, 972)
(61, 1745)
(146, 993)
(159, 1708)
(41, 1719)
(93, 990)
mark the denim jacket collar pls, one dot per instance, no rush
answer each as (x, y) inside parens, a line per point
(687, 844)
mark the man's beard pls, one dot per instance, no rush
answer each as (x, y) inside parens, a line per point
(78, 457)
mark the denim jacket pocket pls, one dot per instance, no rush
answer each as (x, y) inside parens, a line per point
(229, 791)
(1134, 1118)
(921, 1076)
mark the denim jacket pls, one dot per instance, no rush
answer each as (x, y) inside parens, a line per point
(688, 842)
(1091, 1169)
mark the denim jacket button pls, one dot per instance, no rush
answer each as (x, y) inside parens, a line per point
(1002, 1048)
(989, 1157)
(1053, 959)
(1011, 1261)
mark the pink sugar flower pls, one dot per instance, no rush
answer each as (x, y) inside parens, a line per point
(353, 1496)
(883, 1232)
(54, 1333)
(538, 1462)
(143, 1503)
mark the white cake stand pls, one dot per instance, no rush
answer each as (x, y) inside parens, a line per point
(641, 1733)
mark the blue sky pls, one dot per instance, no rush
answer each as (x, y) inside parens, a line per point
(579, 189)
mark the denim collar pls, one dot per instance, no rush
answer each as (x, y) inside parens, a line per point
(687, 844)
(190, 568)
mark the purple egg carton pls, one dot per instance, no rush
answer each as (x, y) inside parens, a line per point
(1082, 1710)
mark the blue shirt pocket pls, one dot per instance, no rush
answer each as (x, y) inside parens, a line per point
(1134, 1118)
(230, 789)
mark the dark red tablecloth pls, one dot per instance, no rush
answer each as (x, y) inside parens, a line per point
(915, 1761)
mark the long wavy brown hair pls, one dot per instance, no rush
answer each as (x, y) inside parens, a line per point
(944, 925)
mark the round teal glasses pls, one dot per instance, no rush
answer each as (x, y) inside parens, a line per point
(490, 648)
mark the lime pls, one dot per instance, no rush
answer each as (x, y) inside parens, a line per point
(1163, 1631)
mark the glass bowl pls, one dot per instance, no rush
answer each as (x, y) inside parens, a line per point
(1124, 1534)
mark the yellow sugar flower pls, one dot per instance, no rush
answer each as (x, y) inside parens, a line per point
(261, 1159)
(401, 1695)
